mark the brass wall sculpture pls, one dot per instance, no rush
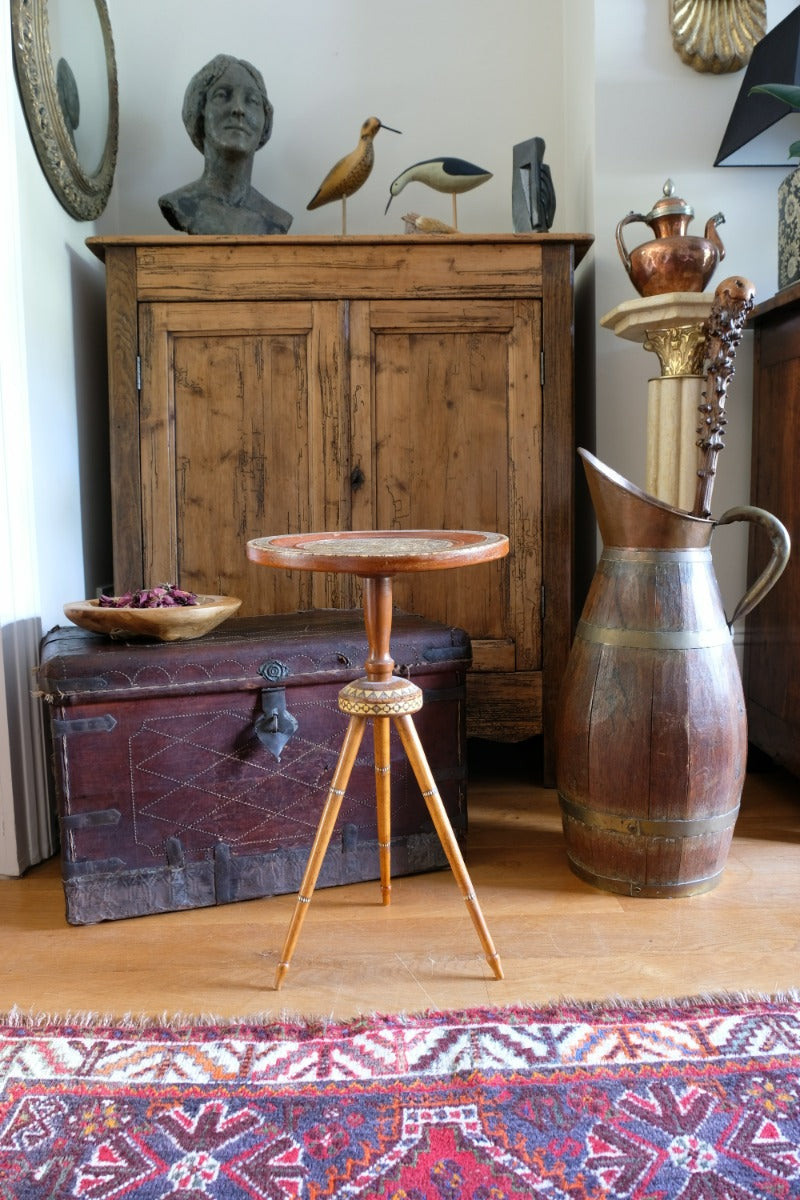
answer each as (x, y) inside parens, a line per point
(717, 36)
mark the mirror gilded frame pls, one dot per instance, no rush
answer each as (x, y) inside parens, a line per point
(53, 98)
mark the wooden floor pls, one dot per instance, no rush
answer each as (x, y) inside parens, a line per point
(557, 936)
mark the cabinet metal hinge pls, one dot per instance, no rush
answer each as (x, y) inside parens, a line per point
(541, 367)
(138, 372)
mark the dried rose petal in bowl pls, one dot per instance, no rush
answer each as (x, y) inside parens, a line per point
(165, 596)
(186, 616)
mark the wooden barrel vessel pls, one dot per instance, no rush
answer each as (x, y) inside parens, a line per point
(651, 737)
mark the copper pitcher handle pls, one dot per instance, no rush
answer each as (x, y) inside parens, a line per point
(781, 547)
(623, 252)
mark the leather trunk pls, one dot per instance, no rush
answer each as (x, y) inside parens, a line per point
(176, 782)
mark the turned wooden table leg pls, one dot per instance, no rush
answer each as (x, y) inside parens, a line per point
(383, 792)
(341, 776)
(379, 666)
(419, 763)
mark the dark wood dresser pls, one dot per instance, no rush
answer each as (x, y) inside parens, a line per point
(772, 640)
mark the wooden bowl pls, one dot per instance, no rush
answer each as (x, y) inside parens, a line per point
(165, 624)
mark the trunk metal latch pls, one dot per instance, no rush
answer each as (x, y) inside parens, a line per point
(276, 725)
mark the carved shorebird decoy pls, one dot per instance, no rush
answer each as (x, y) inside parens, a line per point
(453, 175)
(350, 172)
(414, 223)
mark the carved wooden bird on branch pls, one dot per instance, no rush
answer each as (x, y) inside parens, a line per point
(350, 172)
(452, 175)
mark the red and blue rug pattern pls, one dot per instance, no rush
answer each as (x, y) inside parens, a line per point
(698, 1100)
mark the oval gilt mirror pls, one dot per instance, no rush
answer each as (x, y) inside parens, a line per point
(67, 79)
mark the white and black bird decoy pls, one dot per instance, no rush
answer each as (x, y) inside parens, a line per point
(452, 175)
(349, 173)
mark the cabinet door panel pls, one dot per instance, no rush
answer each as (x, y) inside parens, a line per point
(231, 438)
(446, 419)
(773, 628)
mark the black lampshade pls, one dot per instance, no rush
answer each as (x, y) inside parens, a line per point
(761, 128)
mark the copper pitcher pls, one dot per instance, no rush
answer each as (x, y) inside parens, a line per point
(651, 733)
(673, 261)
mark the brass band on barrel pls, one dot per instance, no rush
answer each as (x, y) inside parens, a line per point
(653, 639)
(624, 554)
(645, 827)
(628, 887)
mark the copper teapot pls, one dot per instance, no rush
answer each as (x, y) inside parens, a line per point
(674, 261)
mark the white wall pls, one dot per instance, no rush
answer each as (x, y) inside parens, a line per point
(53, 406)
(597, 79)
(63, 323)
(456, 76)
(657, 118)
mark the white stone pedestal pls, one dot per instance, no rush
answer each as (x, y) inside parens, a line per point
(672, 327)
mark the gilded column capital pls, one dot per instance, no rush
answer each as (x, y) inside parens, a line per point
(680, 349)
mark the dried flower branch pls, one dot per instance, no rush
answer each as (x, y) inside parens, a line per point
(733, 302)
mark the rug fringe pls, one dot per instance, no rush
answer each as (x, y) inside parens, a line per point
(566, 1007)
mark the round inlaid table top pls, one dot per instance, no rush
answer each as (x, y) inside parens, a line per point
(379, 551)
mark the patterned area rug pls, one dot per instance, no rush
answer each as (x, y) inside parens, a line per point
(693, 1101)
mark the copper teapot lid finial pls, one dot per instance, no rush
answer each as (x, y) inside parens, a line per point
(670, 205)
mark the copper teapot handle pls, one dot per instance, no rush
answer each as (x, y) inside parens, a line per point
(629, 220)
(781, 546)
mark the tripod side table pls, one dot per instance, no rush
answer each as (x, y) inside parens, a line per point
(375, 557)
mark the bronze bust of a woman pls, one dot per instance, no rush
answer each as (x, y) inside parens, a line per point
(228, 116)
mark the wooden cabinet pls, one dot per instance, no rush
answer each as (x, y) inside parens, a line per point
(772, 640)
(265, 385)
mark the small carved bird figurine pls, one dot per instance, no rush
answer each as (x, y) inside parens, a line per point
(350, 172)
(453, 175)
(414, 223)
